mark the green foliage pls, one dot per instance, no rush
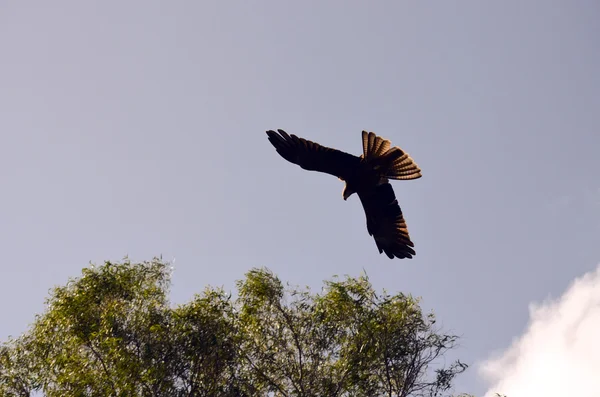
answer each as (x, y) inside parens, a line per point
(112, 332)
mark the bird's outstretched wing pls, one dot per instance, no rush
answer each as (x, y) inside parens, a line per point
(312, 156)
(385, 222)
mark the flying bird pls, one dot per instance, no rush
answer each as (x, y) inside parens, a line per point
(366, 175)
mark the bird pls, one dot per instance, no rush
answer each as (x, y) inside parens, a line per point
(366, 175)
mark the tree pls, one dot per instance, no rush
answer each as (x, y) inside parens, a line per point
(112, 332)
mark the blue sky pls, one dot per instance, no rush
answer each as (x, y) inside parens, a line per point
(137, 128)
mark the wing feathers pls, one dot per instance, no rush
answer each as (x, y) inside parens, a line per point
(386, 223)
(312, 156)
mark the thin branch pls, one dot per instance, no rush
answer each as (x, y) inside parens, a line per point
(263, 375)
(97, 355)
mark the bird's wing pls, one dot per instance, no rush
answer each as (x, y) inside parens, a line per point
(312, 156)
(385, 222)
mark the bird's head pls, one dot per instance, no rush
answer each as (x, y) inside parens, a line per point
(348, 191)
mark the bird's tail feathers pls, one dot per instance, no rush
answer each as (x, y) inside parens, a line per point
(397, 164)
(394, 162)
(374, 146)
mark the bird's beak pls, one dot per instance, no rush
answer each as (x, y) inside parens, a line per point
(347, 193)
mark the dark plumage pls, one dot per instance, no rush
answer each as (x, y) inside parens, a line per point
(366, 175)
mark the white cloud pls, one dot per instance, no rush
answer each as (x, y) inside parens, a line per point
(559, 353)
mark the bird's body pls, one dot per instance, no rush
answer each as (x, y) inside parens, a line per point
(366, 175)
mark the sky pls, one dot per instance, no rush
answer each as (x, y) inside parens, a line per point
(138, 128)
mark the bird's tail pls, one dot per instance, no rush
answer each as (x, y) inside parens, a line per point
(393, 163)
